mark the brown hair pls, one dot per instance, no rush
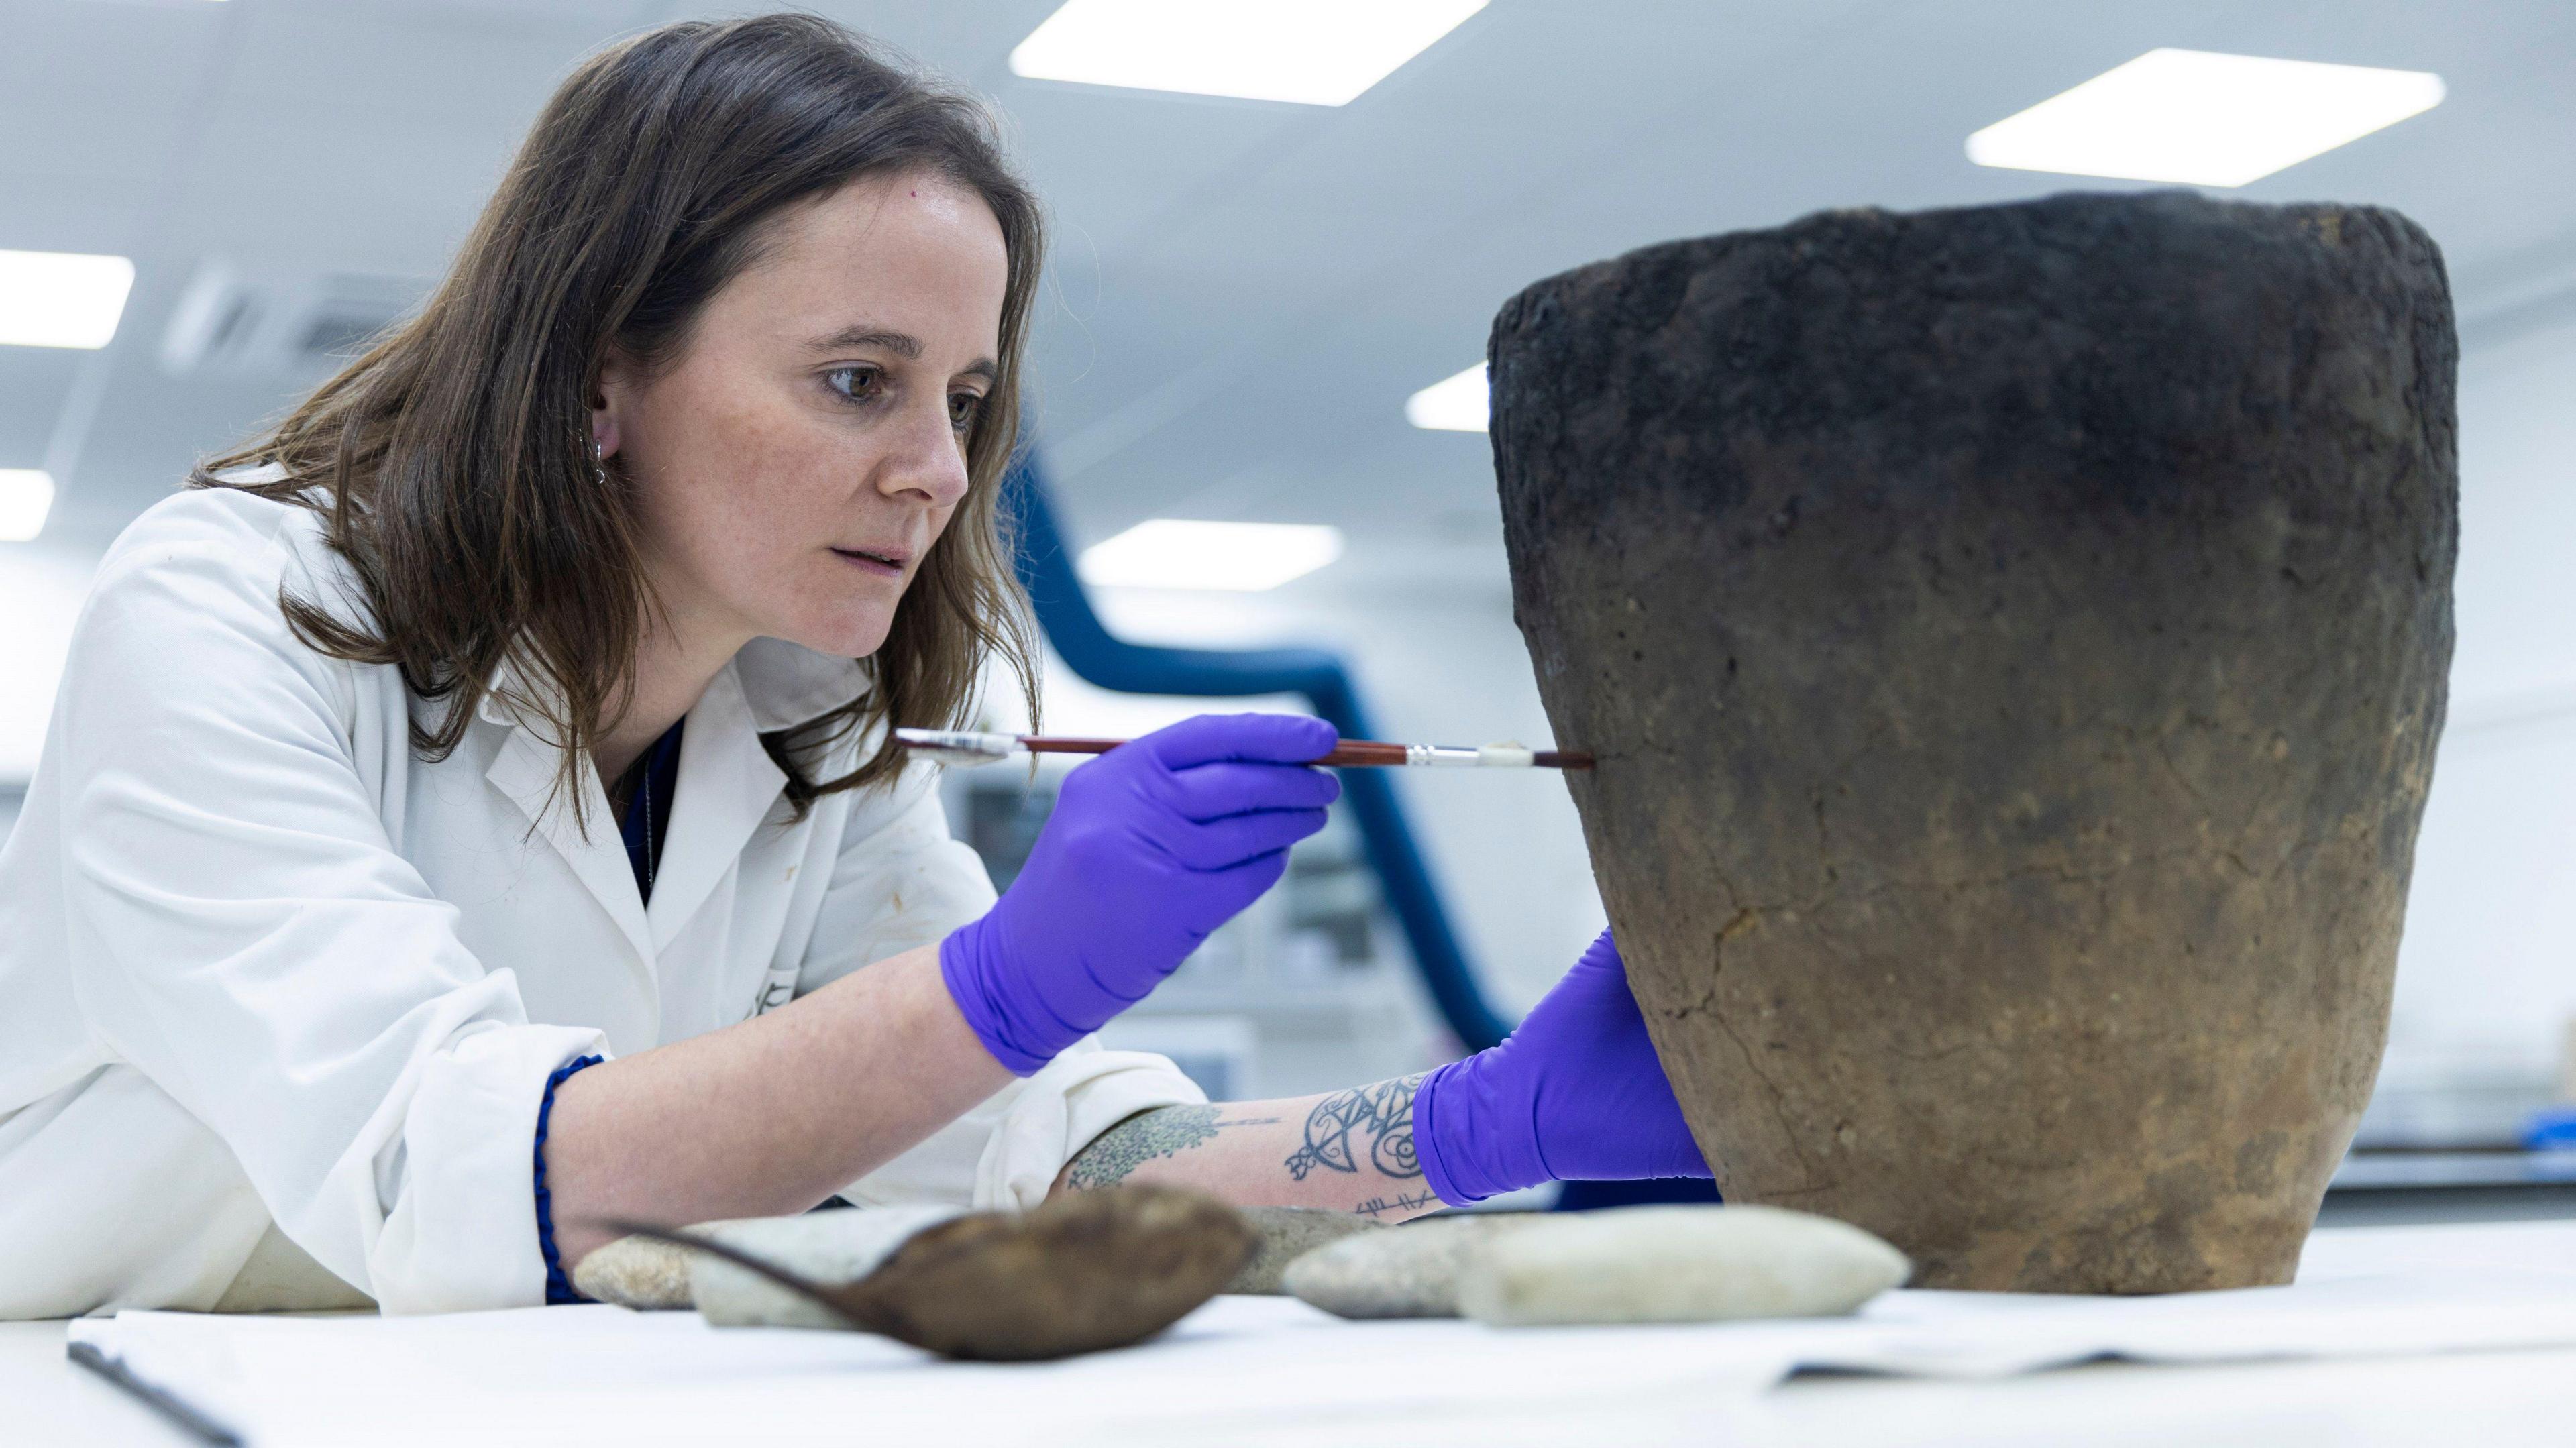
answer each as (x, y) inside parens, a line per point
(453, 459)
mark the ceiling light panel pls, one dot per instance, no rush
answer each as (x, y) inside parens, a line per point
(1229, 557)
(2202, 118)
(61, 298)
(1313, 52)
(26, 495)
(1452, 404)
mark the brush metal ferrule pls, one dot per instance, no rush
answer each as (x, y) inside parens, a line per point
(960, 746)
(1490, 756)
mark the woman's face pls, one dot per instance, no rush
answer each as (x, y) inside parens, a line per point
(809, 444)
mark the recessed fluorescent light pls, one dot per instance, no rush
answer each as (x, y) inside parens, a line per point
(1315, 52)
(1452, 404)
(26, 495)
(2202, 118)
(61, 298)
(1234, 557)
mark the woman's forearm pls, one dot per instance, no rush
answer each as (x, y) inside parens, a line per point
(1351, 1151)
(1150, 847)
(770, 1116)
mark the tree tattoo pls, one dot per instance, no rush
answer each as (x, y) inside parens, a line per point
(1382, 1113)
(1146, 1136)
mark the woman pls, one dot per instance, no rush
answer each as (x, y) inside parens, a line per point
(469, 813)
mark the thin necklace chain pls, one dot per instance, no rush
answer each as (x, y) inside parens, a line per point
(652, 852)
(641, 797)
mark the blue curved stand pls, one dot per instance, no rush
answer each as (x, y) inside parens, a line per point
(1090, 650)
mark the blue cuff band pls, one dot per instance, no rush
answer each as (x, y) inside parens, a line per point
(558, 1283)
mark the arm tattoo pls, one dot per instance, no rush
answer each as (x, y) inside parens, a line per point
(1383, 1114)
(1145, 1136)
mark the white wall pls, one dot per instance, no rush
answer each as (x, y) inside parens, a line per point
(2487, 976)
(40, 595)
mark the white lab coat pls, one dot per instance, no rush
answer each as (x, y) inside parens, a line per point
(276, 993)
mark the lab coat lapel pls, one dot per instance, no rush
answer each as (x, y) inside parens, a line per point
(728, 785)
(524, 769)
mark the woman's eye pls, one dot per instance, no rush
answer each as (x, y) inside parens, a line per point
(963, 409)
(854, 382)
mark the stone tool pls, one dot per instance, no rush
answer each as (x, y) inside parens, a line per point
(1076, 1274)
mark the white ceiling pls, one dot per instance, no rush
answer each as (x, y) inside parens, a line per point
(1243, 293)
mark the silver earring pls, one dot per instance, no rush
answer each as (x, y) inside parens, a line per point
(599, 462)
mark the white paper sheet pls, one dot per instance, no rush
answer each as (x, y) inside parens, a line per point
(1257, 1370)
(590, 1374)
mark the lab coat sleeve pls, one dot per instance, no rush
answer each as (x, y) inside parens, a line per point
(900, 882)
(245, 934)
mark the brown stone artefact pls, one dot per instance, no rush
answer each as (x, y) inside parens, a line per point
(2013, 640)
(1079, 1273)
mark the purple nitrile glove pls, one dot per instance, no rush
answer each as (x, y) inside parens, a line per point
(1574, 1094)
(1151, 846)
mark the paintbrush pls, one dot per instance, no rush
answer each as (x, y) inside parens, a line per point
(966, 746)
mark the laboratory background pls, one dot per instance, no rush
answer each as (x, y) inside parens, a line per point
(1257, 408)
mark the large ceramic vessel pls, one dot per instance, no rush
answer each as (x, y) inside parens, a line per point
(2014, 642)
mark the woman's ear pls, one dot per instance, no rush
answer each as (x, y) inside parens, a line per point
(613, 395)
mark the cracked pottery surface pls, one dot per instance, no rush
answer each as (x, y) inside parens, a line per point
(2014, 643)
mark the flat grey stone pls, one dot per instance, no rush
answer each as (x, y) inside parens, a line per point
(656, 1276)
(632, 1272)
(828, 1247)
(1288, 1233)
(1675, 1264)
(1405, 1271)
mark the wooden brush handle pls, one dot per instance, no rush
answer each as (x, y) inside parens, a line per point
(1364, 751)
(1050, 744)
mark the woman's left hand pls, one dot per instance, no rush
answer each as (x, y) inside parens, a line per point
(1575, 1094)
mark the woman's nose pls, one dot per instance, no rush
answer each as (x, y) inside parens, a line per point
(929, 457)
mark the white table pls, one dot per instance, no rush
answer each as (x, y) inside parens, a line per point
(2484, 1398)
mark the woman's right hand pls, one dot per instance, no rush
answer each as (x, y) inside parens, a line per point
(1151, 847)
